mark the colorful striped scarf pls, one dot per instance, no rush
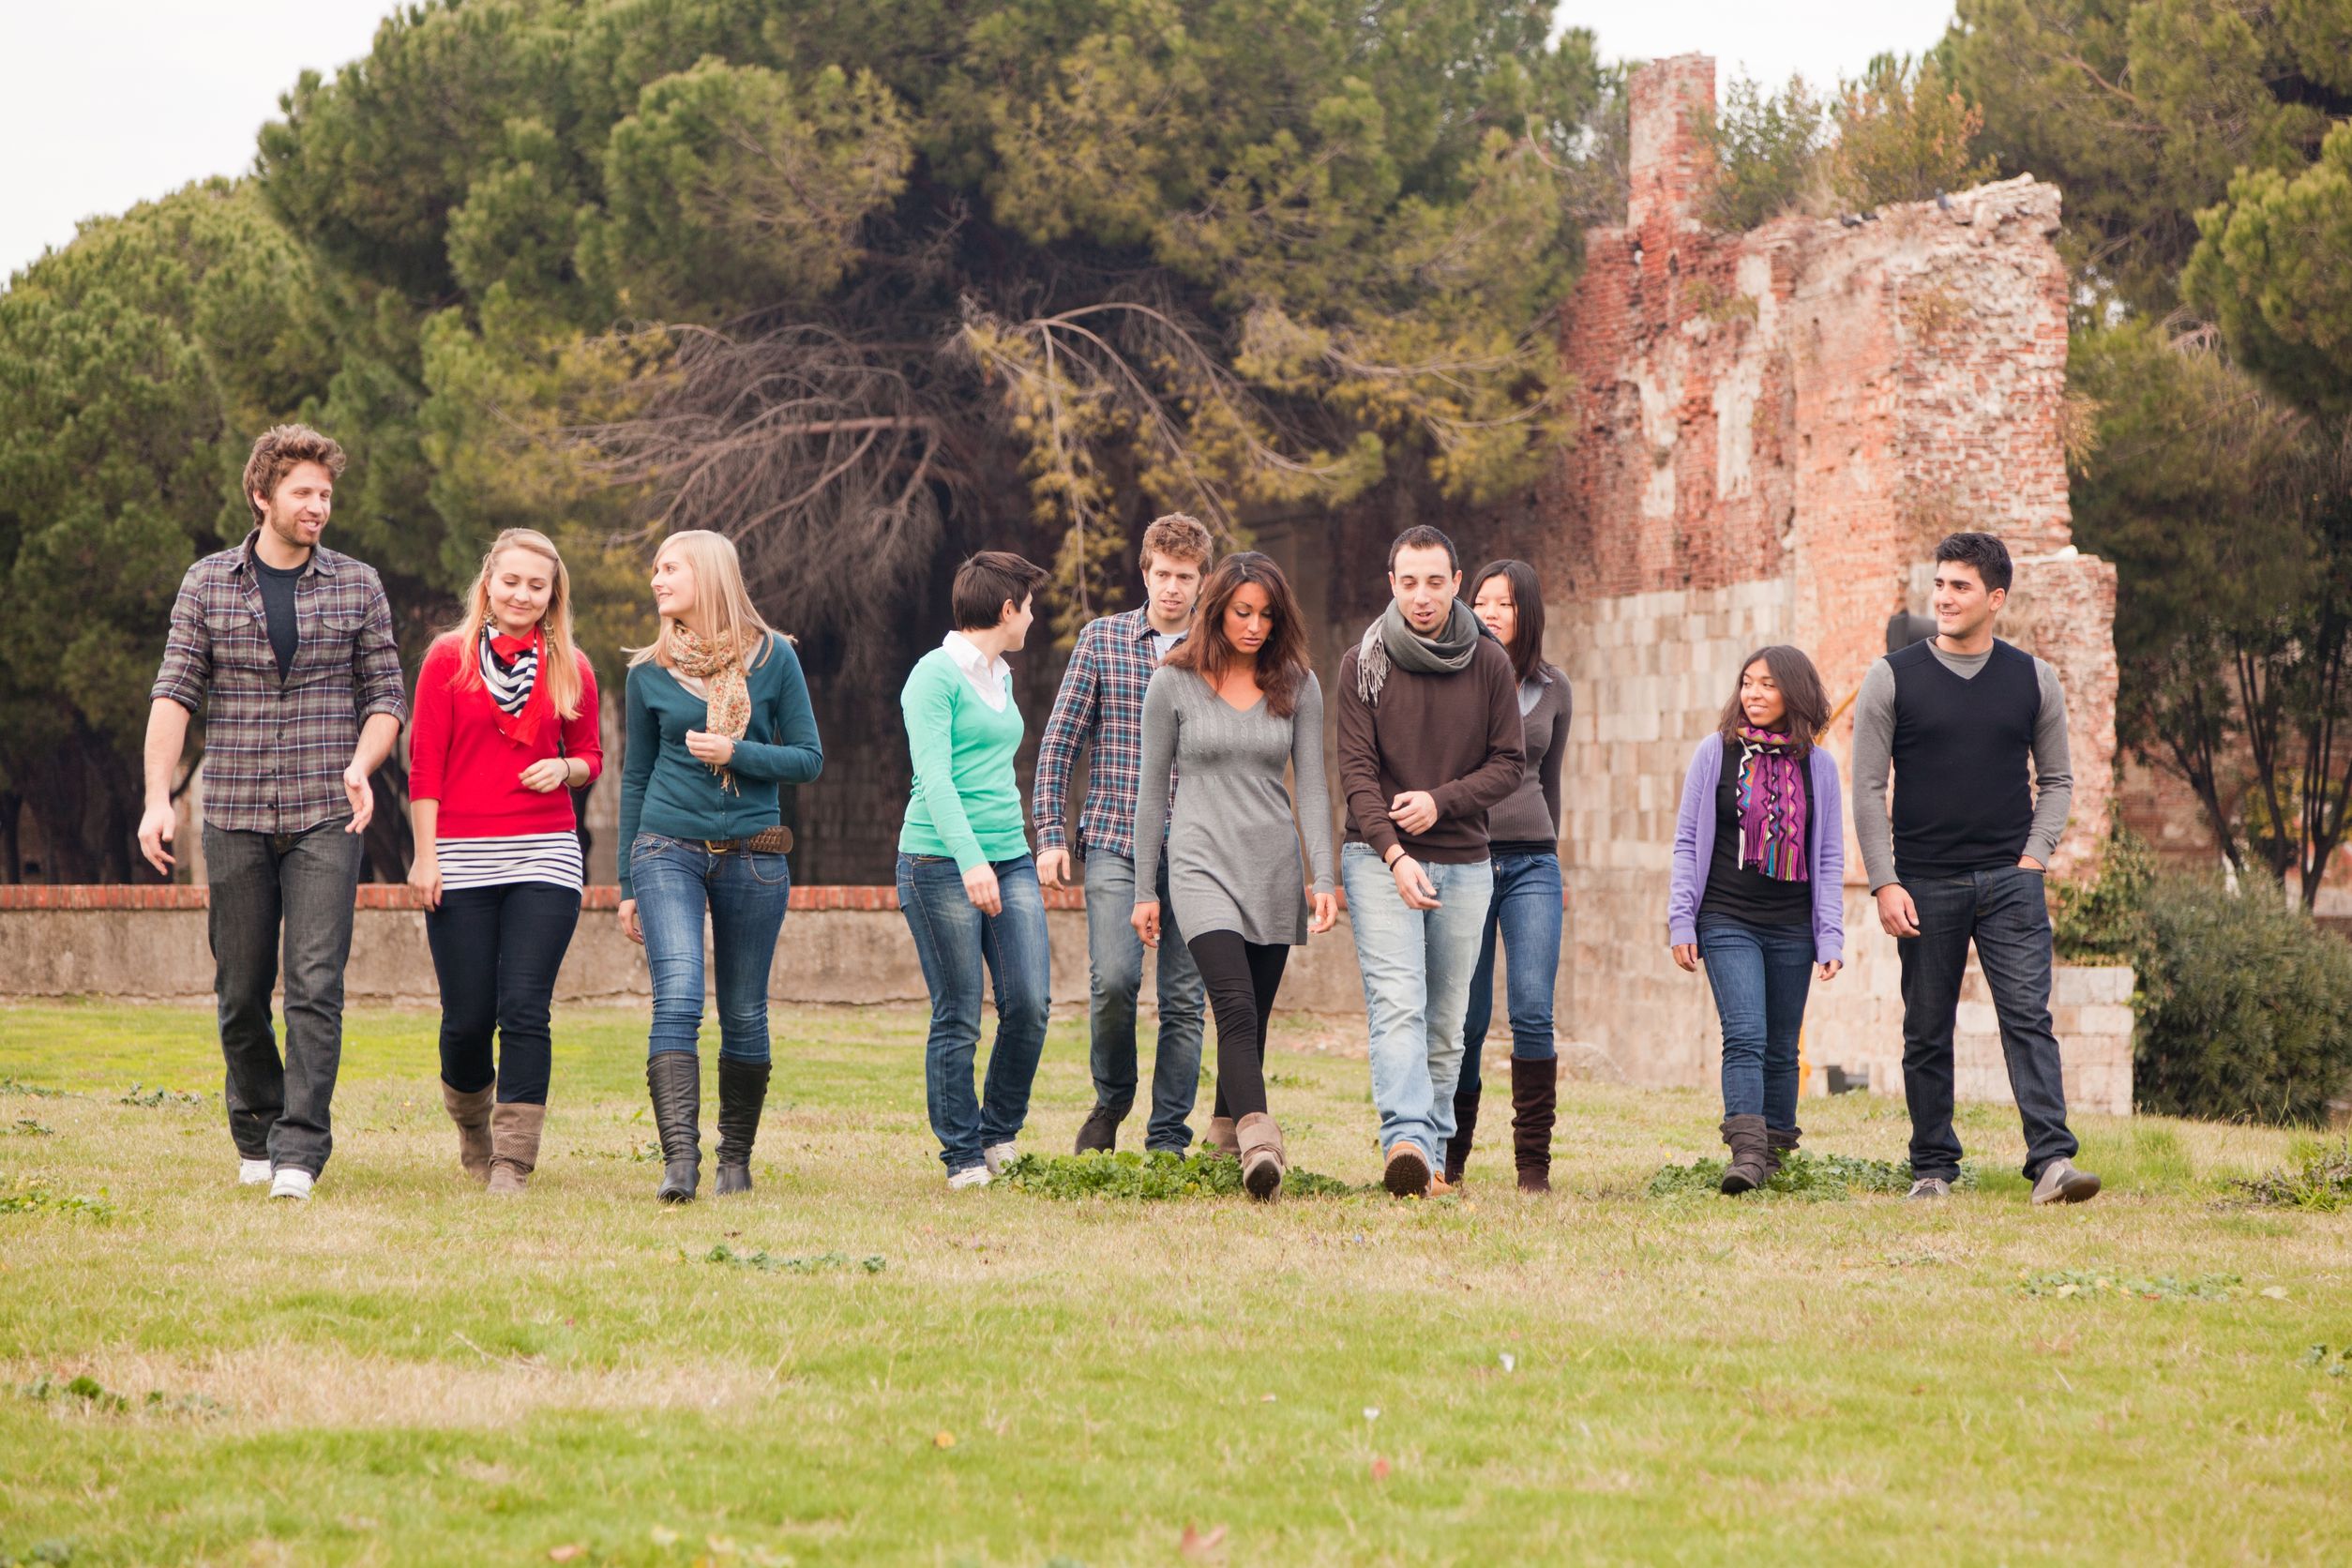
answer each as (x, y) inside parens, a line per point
(1770, 793)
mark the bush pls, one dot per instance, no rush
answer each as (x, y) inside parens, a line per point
(2245, 1008)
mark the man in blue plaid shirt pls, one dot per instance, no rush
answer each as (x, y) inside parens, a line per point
(1101, 702)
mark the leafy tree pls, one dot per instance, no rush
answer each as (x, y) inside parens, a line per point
(1905, 134)
(1770, 152)
(2272, 270)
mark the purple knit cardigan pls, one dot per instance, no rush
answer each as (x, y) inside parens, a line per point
(1695, 848)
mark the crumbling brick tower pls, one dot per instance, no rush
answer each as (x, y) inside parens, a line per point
(1773, 429)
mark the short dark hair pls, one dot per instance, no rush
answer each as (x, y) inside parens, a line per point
(1526, 646)
(1987, 554)
(277, 450)
(1422, 536)
(987, 582)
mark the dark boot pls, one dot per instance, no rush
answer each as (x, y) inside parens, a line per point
(1100, 1130)
(1534, 1107)
(1783, 1140)
(1751, 1165)
(1457, 1148)
(675, 1078)
(514, 1131)
(742, 1089)
(472, 1113)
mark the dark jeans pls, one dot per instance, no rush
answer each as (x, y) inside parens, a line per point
(303, 884)
(2005, 912)
(1242, 977)
(1761, 975)
(961, 948)
(676, 881)
(495, 953)
(1526, 916)
(1114, 961)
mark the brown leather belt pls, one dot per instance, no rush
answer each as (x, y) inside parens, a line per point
(773, 840)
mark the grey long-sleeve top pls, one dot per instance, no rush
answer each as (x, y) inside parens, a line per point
(1233, 846)
(1874, 753)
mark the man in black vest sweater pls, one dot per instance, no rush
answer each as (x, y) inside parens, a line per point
(1960, 716)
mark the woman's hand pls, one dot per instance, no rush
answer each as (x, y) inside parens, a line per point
(980, 887)
(717, 750)
(1146, 921)
(1686, 955)
(424, 872)
(547, 773)
(630, 928)
(1326, 907)
(1828, 971)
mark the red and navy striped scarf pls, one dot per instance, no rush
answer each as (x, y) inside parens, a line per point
(1770, 792)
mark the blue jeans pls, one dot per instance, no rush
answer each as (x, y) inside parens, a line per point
(957, 944)
(1526, 913)
(1760, 976)
(675, 881)
(2005, 912)
(496, 953)
(1114, 963)
(1416, 966)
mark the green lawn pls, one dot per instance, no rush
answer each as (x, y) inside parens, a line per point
(405, 1371)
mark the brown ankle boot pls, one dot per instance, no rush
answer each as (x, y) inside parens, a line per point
(1223, 1136)
(1457, 1148)
(472, 1113)
(1535, 1108)
(1779, 1141)
(1262, 1163)
(1749, 1165)
(514, 1134)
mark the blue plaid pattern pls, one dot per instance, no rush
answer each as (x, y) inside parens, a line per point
(1101, 701)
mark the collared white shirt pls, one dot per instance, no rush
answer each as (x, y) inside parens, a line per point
(992, 678)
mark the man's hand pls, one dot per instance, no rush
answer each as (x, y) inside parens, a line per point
(547, 773)
(1897, 915)
(1146, 921)
(425, 873)
(630, 928)
(156, 826)
(1053, 867)
(717, 750)
(362, 796)
(2027, 863)
(1828, 971)
(1687, 956)
(1326, 913)
(1415, 811)
(1412, 884)
(980, 887)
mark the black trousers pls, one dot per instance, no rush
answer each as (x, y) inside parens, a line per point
(1241, 978)
(496, 951)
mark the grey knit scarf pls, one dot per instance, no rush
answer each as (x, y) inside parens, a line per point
(1391, 640)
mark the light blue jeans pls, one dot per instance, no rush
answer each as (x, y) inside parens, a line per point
(1417, 967)
(962, 950)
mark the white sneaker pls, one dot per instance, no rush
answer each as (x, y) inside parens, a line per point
(998, 1156)
(971, 1176)
(291, 1182)
(251, 1174)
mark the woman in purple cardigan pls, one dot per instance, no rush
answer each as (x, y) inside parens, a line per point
(1759, 893)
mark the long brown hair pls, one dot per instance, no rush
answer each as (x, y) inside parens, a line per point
(559, 669)
(1806, 706)
(1281, 659)
(1526, 646)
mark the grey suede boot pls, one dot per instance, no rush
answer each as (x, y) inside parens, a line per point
(472, 1113)
(1751, 1153)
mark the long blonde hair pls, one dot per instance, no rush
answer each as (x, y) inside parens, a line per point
(560, 668)
(720, 600)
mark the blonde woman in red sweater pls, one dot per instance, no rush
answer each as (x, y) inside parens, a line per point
(505, 729)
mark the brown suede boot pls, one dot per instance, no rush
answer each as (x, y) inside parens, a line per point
(1457, 1148)
(1224, 1138)
(1750, 1168)
(1262, 1162)
(472, 1113)
(1781, 1141)
(1535, 1108)
(514, 1134)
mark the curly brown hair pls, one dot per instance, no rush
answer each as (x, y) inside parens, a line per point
(1282, 668)
(276, 451)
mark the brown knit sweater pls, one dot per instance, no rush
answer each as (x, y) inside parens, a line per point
(1456, 737)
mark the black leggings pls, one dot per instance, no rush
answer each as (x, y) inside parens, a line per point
(496, 951)
(1241, 978)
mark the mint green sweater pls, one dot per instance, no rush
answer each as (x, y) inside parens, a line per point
(966, 802)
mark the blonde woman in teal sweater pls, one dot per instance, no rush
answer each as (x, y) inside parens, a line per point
(966, 882)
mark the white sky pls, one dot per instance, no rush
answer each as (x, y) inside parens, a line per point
(104, 103)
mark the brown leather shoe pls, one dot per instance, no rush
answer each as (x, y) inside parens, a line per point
(514, 1134)
(472, 1113)
(1407, 1174)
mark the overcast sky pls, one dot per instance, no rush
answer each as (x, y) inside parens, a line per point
(104, 103)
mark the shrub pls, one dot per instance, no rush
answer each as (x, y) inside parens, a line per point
(2104, 921)
(2245, 1008)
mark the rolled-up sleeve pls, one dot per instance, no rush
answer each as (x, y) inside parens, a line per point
(186, 674)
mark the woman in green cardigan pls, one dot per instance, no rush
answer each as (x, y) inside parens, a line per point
(966, 882)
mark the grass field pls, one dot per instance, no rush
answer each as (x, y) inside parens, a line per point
(405, 1371)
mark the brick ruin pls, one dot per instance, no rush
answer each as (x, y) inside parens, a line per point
(1773, 429)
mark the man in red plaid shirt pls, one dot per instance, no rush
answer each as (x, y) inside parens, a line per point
(1101, 702)
(287, 650)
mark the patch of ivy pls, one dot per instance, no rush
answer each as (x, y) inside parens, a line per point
(140, 1094)
(1154, 1177)
(2086, 1283)
(1804, 1176)
(25, 1126)
(2333, 1364)
(30, 1194)
(804, 1264)
(2321, 1183)
(38, 1091)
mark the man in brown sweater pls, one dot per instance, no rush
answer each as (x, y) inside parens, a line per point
(1429, 740)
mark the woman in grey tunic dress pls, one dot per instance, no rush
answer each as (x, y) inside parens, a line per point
(1229, 707)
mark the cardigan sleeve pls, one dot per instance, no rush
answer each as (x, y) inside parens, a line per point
(795, 756)
(583, 736)
(429, 726)
(1688, 877)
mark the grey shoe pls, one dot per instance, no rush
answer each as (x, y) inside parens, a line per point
(1930, 1186)
(1100, 1130)
(1751, 1158)
(2060, 1182)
